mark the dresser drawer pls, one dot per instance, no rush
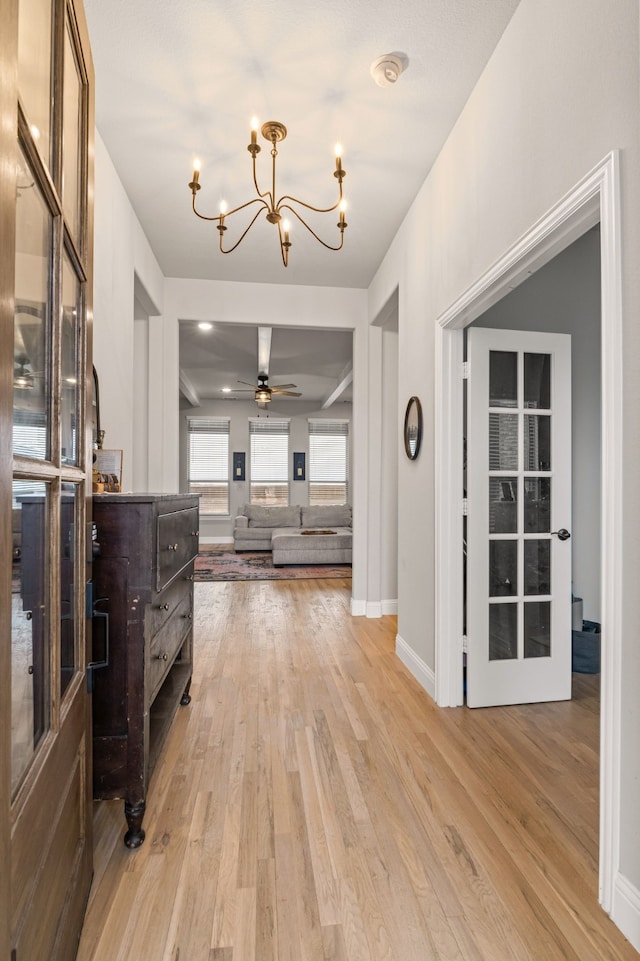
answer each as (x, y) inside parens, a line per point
(166, 644)
(162, 608)
(177, 543)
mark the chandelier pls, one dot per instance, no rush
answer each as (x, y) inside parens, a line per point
(274, 132)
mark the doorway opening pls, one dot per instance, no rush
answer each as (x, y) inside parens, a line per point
(596, 199)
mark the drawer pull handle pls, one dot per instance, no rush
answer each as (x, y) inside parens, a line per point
(195, 533)
(162, 657)
(163, 607)
(188, 577)
(188, 617)
(172, 547)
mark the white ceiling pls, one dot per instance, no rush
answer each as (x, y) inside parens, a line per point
(177, 79)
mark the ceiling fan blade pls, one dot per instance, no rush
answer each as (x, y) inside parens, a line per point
(283, 386)
(286, 393)
(252, 386)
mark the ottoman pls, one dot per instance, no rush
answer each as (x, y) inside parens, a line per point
(295, 547)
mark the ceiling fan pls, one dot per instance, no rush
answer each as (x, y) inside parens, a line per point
(263, 392)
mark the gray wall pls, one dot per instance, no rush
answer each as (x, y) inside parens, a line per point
(564, 297)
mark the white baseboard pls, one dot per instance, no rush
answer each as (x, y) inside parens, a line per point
(423, 674)
(358, 608)
(374, 609)
(216, 540)
(626, 909)
(390, 607)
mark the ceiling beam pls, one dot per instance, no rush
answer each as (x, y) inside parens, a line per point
(264, 349)
(188, 391)
(345, 379)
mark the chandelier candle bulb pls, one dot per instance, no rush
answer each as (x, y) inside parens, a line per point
(195, 183)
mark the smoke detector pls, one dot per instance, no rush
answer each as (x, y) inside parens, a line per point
(386, 69)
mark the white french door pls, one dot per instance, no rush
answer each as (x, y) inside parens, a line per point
(519, 517)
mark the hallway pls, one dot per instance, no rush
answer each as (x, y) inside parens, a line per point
(312, 804)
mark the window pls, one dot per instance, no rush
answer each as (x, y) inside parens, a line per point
(269, 441)
(328, 461)
(209, 463)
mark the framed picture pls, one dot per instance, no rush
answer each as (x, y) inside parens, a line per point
(107, 471)
(299, 466)
(239, 465)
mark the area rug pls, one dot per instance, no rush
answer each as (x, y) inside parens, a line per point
(258, 566)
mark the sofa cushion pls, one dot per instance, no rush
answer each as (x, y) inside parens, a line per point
(261, 516)
(327, 515)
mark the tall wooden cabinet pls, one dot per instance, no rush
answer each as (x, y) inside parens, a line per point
(143, 595)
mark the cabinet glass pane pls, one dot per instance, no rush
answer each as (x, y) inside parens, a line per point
(34, 70)
(503, 505)
(503, 632)
(537, 567)
(70, 355)
(503, 568)
(503, 441)
(29, 626)
(32, 309)
(503, 378)
(67, 579)
(537, 381)
(537, 629)
(537, 442)
(537, 505)
(71, 139)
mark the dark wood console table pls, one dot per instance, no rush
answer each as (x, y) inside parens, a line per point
(143, 579)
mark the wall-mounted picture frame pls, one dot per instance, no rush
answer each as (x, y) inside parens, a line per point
(299, 469)
(413, 428)
(239, 462)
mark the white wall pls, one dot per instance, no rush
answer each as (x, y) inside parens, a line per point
(121, 253)
(220, 529)
(564, 297)
(559, 93)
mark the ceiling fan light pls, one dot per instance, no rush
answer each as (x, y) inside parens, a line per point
(263, 396)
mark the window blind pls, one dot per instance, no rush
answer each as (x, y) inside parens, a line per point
(269, 447)
(209, 462)
(328, 462)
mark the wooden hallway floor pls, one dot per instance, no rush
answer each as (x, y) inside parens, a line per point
(312, 804)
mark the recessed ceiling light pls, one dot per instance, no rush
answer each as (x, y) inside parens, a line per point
(225, 390)
(205, 325)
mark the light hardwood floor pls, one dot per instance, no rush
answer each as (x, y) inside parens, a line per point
(312, 804)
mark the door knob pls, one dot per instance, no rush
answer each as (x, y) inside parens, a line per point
(563, 534)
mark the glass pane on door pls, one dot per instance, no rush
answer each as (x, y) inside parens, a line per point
(29, 625)
(31, 437)
(520, 565)
(72, 138)
(34, 70)
(503, 378)
(68, 527)
(70, 359)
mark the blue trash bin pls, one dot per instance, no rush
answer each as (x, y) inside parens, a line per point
(585, 649)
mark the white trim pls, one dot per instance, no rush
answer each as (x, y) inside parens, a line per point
(374, 608)
(214, 540)
(419, 668)
(358, 608)
(626, 909)
(595, 198)
(389, 607)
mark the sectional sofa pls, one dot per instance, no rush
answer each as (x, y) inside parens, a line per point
(296, 535)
